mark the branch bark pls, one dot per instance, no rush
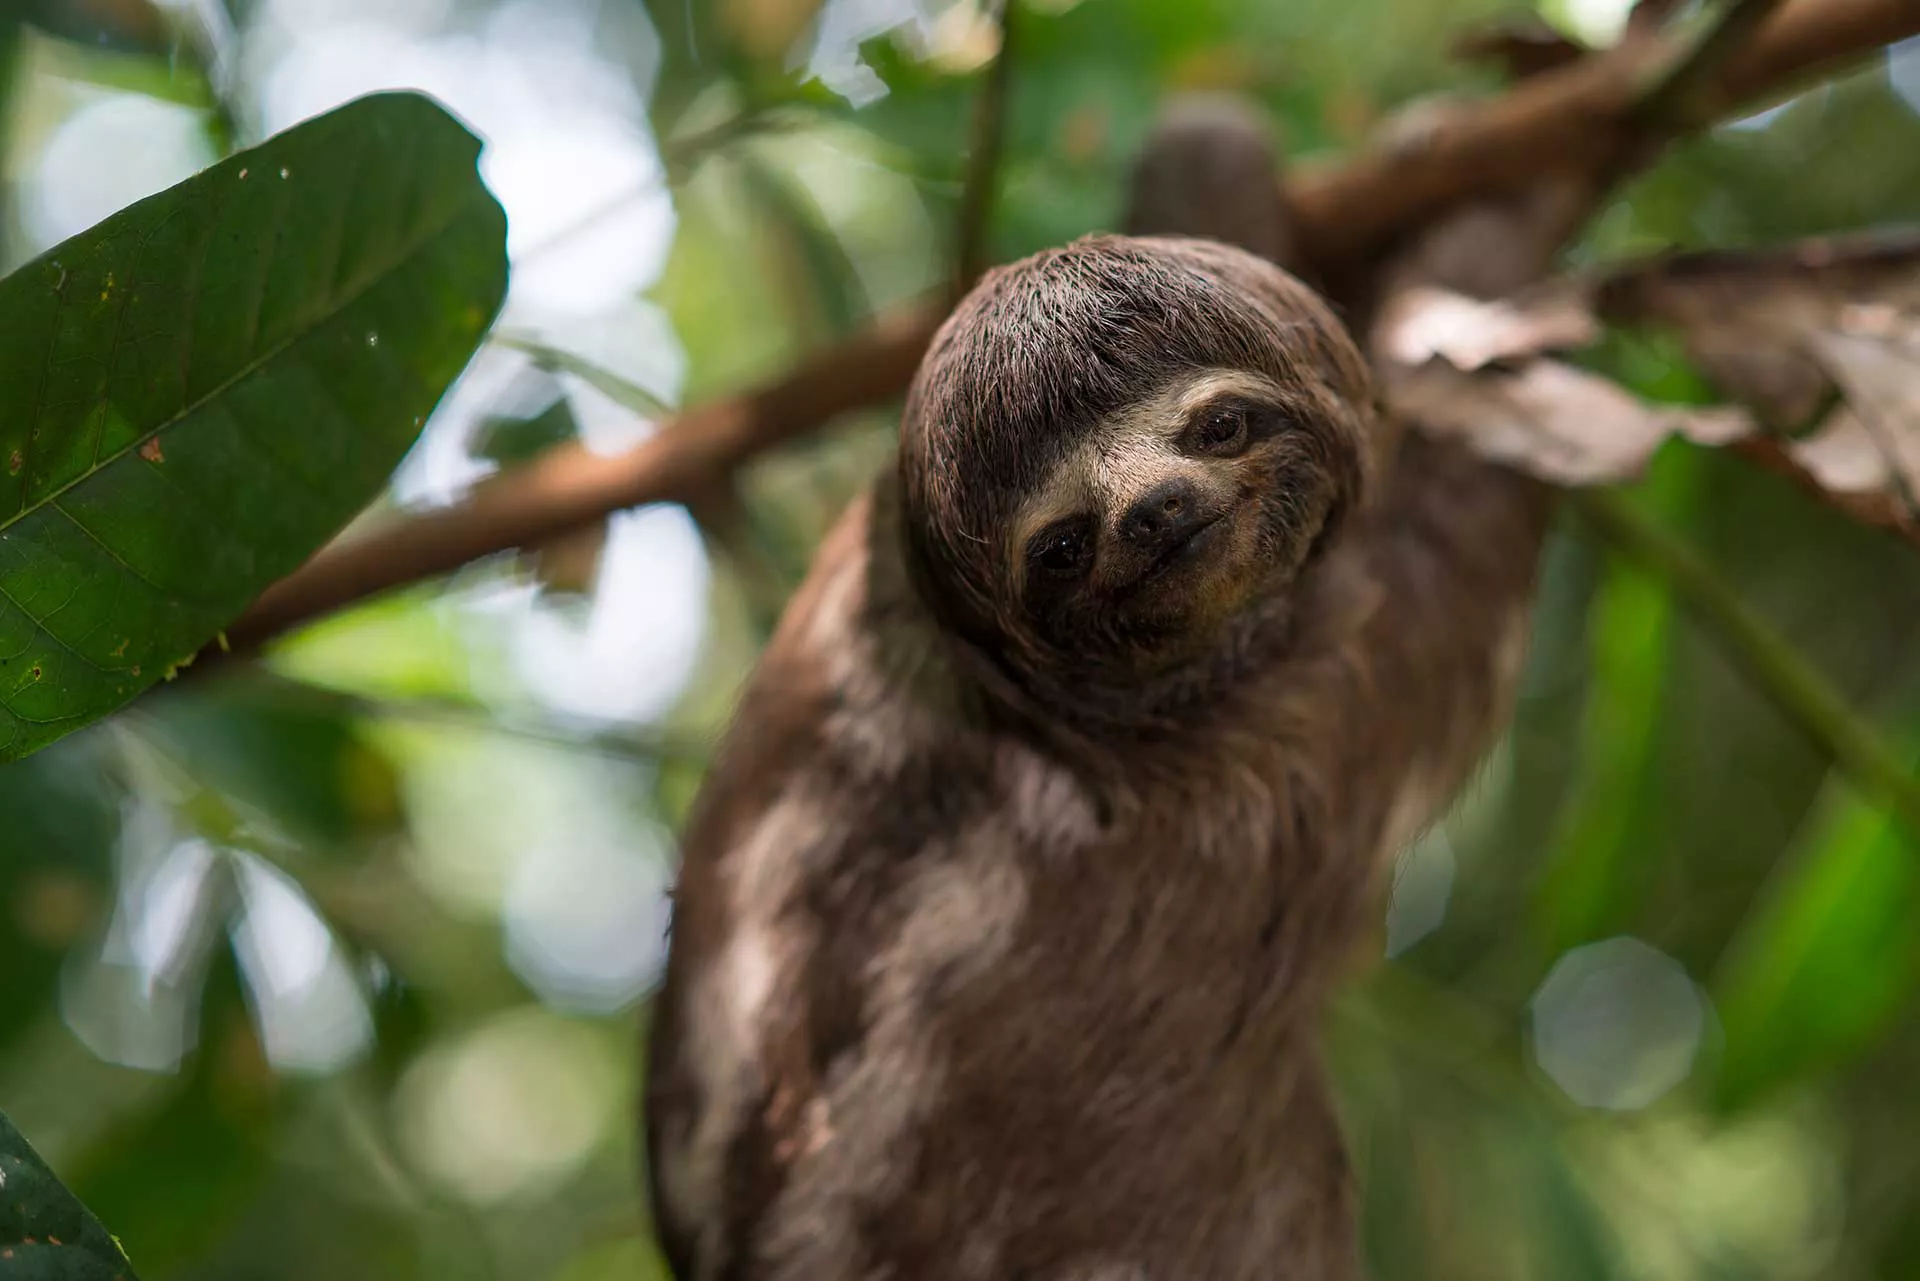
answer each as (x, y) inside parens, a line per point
(1568, 119)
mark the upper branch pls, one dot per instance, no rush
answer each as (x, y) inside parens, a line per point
(1564, 120)
(1569, 119)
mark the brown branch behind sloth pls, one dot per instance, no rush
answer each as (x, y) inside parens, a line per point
(1063, 789)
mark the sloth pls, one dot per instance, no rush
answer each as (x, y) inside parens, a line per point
(1062, 796)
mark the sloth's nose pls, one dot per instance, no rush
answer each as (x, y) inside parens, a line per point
(1161, 516)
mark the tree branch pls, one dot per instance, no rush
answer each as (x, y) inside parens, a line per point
(1556, 121)
(1561, 120)
(568, 486)
(1670, 103)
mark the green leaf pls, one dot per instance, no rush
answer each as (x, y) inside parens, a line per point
(201, 390)
(45, 1233)
(1600, 871)
(511, 439)
(1829, 956)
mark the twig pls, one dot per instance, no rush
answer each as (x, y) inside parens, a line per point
(1775, 667)
(983, 160)
(567, 486)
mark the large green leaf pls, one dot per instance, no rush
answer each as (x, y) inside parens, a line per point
(199, 391)
(45, 1233)
(1599, 874)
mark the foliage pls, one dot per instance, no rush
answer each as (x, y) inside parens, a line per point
(330, 966)
(200, 390)
(44, 1232)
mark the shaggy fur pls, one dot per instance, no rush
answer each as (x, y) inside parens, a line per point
(1007, 911)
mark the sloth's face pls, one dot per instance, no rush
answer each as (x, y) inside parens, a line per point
(1116, 452)
(1171, 515)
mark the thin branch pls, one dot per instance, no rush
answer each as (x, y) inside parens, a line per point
(567, 486)
(1768, 659)
(1566, 119)
(983, 159)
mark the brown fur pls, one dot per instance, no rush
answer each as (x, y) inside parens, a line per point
(999, 946)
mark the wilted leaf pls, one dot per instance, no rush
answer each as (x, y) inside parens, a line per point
(1426, 323)
(45, 1233)
(1785, 333)
(1754, 320)
(1559, 422)
(199, 391)
(1879, 372)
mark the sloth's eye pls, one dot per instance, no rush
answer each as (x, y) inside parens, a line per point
(1061, 551)
(1221, 430)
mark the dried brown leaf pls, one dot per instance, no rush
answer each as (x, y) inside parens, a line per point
(1842, 455)
(1880, 376)
(1751, 319)
(1820, 327)
(1426, 323)
(1561, 423)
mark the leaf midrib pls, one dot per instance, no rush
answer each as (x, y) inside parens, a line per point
(253, 365)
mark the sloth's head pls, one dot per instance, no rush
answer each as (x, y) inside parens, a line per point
(1115, 450)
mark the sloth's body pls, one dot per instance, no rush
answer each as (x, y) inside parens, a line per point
(1061, 794)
